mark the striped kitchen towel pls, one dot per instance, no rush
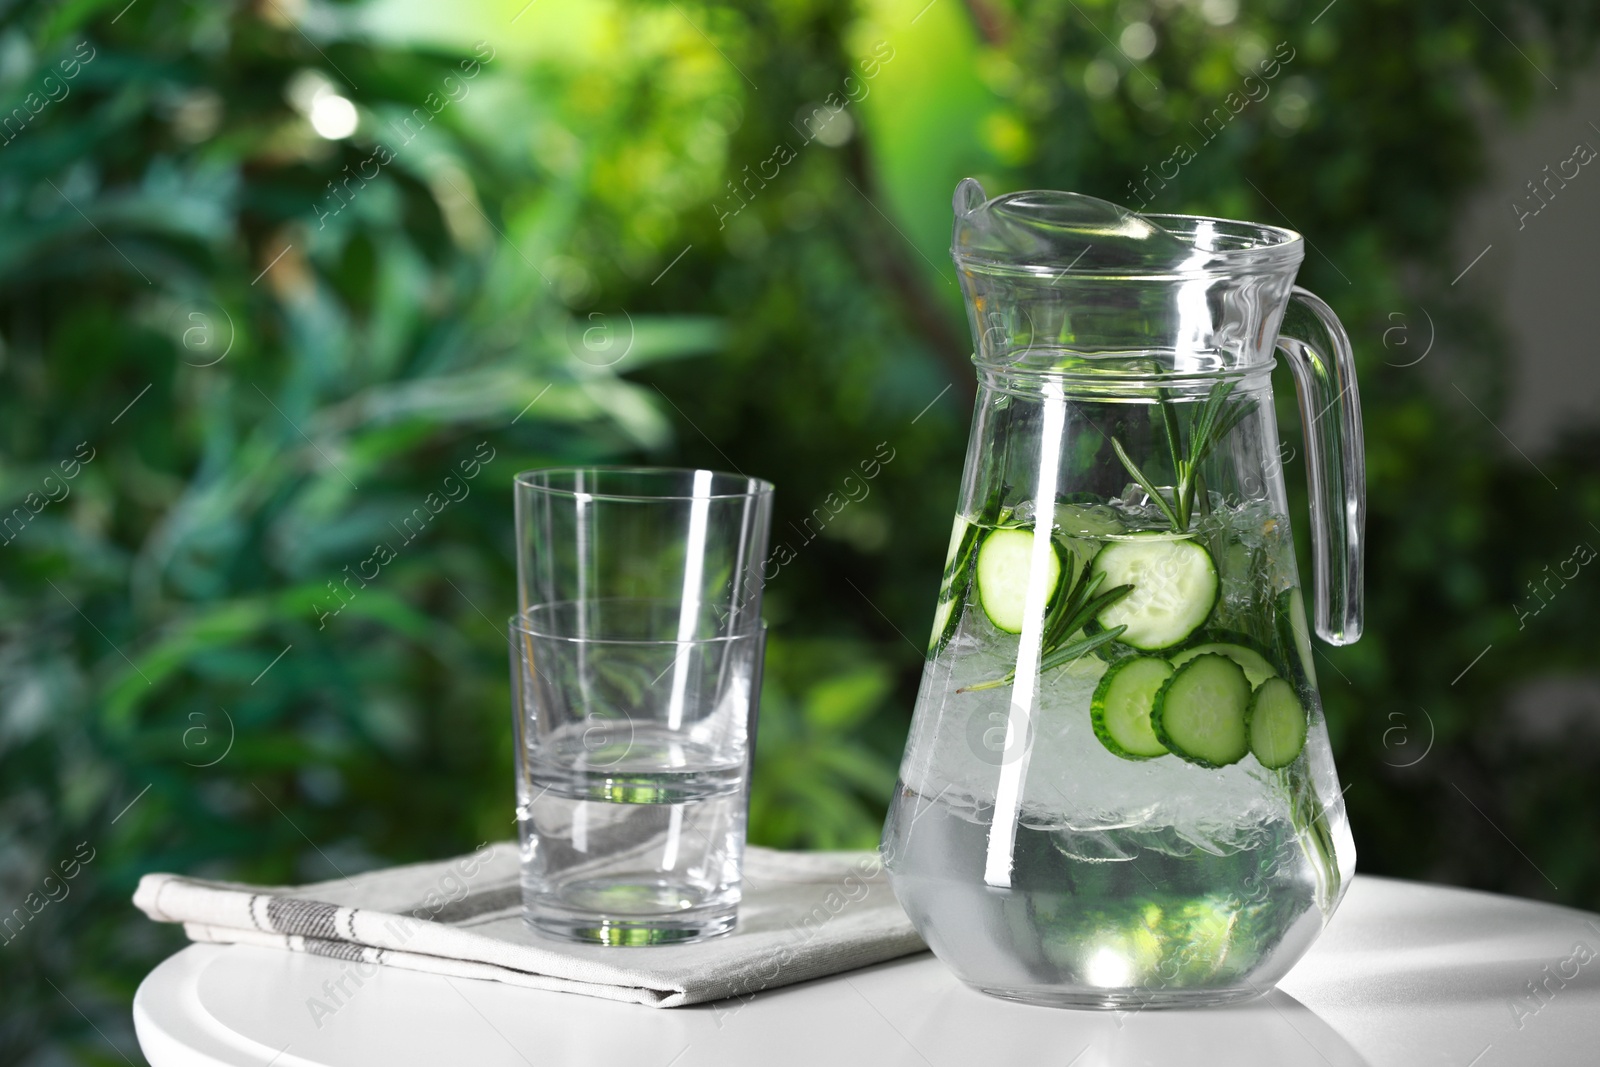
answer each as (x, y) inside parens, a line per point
(804, 915)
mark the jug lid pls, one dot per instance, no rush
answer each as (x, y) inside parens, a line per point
(1053, 232)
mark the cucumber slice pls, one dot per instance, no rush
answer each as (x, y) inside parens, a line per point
(1218, 635)
(1294, 639)
(1277, 724)
(1005, 574)
(1200, 713)
(963, 535)
(1257, 668)
(1174, 589)
(1121, 707)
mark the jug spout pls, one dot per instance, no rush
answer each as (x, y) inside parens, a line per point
(969, 197)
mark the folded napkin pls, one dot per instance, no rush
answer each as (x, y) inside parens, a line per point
(804, 915)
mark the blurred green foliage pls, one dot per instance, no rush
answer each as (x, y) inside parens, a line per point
(624, 231)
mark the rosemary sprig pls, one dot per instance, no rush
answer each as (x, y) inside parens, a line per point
(1071, 613)
(1079, 607)
(1216, 416)
(1149, 488)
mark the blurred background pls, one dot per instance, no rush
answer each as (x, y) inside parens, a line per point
(270, 270)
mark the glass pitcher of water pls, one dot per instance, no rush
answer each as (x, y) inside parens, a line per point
(1118, 790)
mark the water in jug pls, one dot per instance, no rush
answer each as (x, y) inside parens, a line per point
(1118, 790)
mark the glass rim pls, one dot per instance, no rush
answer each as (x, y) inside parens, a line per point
(1281, 236)
(756, 487)
(516, 624)
(1276, 248)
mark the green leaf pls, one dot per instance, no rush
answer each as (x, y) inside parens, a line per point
(840, 702)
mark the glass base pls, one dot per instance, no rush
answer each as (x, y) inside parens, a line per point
(1123, 999)
(626, 912)
(599, 930)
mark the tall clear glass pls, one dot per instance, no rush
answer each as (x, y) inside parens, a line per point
(636, 669)
(1118, 790)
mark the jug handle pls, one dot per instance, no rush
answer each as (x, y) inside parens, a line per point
(1318, 353)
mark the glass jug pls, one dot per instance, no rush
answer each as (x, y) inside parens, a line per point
(1118, 790)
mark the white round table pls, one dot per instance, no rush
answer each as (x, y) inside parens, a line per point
(1406, 974)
